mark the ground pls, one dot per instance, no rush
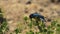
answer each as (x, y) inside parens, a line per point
(15, 10)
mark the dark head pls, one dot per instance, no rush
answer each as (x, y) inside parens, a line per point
(33, 15)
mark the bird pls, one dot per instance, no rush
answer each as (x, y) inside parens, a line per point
(37, 16)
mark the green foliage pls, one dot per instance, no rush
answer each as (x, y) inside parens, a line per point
(53, 23)
(30, 32)
(25, 18)
(58, 27)
(10, 33)
(4, 27)
(37, 32)
(1, 15)
(50, 32)
(17, 30)
(34, 23)
(41, 26)
(30, 24)
(45, 30)
(1, 31)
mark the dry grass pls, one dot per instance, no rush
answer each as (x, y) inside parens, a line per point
(14, 11)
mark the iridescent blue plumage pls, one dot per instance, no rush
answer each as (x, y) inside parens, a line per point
(38, 16)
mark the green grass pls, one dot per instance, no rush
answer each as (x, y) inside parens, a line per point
(49, 30)
(30, 32)
(4, 28)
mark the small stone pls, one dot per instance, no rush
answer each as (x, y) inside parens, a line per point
(49, 20)
(26, 11)
(19, 1)
(52, 1)
(29, 2)
(41, 10)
